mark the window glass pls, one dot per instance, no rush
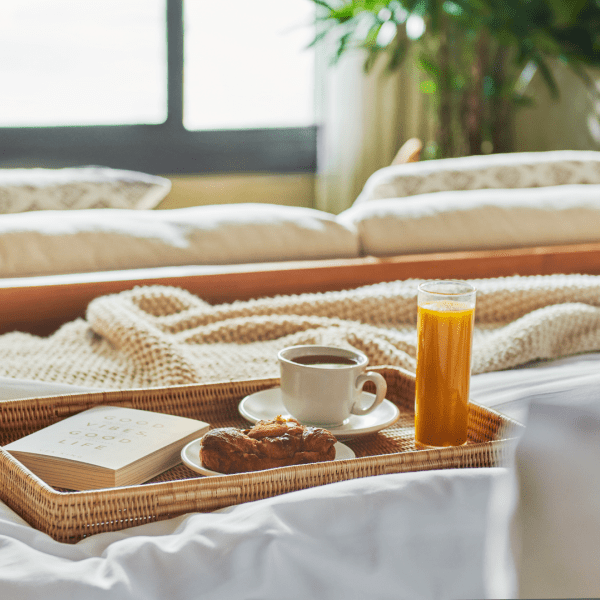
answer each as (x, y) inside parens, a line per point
(246, 64)
(68, 62)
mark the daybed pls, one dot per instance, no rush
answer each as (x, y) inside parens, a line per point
(491, 216)
(428, 534)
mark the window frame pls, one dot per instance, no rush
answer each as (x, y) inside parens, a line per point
(166, 148)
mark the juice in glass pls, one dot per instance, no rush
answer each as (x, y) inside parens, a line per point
(445, 321)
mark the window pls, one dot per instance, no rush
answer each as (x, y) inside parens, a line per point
(247, 84)
(161, 86)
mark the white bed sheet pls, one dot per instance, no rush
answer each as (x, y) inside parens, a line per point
(511, 392)
(412, 535)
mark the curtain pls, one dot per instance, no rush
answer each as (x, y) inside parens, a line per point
(363, 120)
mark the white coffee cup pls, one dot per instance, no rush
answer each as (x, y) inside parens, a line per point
(322, 385)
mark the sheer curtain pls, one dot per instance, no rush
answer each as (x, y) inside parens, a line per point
(363, 120)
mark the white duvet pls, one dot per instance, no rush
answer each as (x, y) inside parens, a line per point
(436, 534)
(394, 536)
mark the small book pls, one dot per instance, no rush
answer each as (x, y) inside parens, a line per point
(106, 446)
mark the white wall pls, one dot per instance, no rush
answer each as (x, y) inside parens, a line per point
(193, 190)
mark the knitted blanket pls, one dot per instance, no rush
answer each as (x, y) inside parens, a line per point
(155, 336)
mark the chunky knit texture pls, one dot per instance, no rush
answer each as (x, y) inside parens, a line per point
(156, 336)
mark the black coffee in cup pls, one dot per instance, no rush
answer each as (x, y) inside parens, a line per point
(322, 385)
(327, 361)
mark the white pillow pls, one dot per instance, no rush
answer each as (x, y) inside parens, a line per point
(494, 171)
(56, 242)
(477, 220)
(23, 190)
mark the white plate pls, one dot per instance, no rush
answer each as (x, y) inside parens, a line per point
(190, 455)
(267, 404)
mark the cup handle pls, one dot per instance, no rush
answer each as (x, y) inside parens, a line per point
(381, 389)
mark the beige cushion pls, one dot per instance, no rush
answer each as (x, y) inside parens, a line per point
(23, 190)
(58, 242)
(495, 171)
(476, 220)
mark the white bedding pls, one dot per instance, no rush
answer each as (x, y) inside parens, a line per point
(394, 536)
(437, 534)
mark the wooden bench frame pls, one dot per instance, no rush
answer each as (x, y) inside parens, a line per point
(41, 304)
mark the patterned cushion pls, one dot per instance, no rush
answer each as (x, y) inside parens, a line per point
(23, 190)
(495, 171)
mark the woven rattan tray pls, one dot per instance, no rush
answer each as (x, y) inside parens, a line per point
(70, 516)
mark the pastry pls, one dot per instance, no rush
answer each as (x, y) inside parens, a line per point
(278, 442)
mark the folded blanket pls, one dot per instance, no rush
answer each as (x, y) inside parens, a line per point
(155, 336)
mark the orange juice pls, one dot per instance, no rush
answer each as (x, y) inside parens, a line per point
(445, 333)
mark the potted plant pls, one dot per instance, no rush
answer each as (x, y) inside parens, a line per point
(477, 56)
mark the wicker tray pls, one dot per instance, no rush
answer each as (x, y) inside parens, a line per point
(70, 516)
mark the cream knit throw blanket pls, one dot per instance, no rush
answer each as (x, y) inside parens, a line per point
(155, 336)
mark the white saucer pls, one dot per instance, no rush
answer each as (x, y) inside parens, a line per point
(267, 404)
(190, 455)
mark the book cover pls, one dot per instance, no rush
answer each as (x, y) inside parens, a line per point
(106, 446)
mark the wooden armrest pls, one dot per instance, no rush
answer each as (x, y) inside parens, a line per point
(409, 152)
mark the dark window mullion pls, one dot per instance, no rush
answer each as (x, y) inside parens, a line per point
(175, 65)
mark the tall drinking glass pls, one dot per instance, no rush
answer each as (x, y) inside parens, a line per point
(446, 311)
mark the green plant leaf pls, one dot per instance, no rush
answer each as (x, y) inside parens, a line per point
(342, 13)
(397, 55)
(579, 43)
(490, 89)
(546, 43)
(341, 48)
(566, 11)
(547, 75)
(429, 66)
(523, 101)
(318, 38)
(428, 87)
(373, 54)
(480, 7)
(370, 40)
(324, 4)
(453, 8)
